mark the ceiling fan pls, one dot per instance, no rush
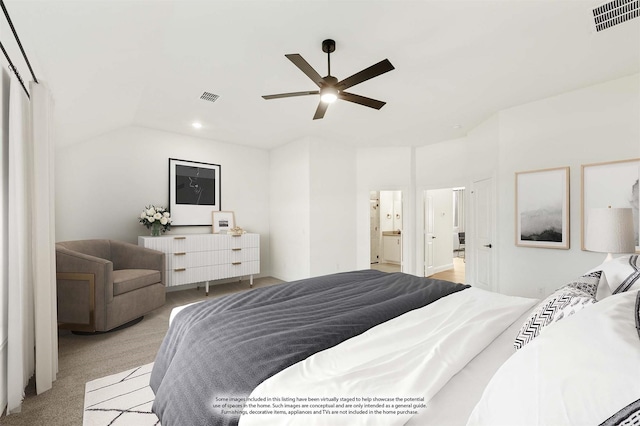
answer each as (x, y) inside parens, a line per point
(332, 89)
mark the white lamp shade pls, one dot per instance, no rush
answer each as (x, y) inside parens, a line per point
(610, 230)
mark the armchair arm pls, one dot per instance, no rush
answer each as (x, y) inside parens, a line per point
(130, 256)
(75, 262)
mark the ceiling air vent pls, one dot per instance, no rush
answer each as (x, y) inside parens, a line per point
(212, 98)
(614, 13)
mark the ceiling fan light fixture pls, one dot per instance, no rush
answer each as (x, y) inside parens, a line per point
(332, 89)
(329, 95)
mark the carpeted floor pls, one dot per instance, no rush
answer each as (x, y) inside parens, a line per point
(86, 358)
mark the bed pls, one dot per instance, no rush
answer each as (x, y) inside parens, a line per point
(371, 348)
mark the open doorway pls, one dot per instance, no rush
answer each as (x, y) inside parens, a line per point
(385, 209)
(445, 234)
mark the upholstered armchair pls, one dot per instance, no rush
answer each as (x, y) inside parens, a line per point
(103, 284)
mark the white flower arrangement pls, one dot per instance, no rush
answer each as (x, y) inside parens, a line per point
(156, 217)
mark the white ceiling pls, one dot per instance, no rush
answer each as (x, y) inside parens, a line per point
(117, 63)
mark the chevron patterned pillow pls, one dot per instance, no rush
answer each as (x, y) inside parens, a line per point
(562, 303)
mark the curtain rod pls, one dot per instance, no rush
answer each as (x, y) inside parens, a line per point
(15, 70)
(24, 54)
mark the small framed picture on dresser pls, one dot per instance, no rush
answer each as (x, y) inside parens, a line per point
(222, 222)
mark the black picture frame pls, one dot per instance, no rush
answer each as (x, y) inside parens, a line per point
(194, 192)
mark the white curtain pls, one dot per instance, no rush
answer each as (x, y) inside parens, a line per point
(43, 237)
(20, 337)
(32, 344)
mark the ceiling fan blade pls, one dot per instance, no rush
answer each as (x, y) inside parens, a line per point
(305, 68)
(292, 94)
(366, 74)
(322, 108)
(371, 103)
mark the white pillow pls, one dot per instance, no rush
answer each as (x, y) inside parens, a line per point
(562, 303)
(582, 371)
(622, 273)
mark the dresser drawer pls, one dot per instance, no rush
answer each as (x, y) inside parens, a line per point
(196, 259)
(197, 243)
(244, 254)
(180, 276)
(244, 241)
(238, 269)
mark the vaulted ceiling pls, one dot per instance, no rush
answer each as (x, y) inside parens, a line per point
(116, 63)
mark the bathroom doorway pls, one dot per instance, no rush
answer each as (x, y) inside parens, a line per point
(386, 217)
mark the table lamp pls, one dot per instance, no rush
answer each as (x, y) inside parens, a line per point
(610, 230)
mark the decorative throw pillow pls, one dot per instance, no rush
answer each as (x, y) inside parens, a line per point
(562, 303)
(622, 273)
(579, 372)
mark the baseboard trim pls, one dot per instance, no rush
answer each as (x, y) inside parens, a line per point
(443, 268)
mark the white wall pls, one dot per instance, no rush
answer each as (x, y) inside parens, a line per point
(594, 124)
(460, 161)
(333, 207)
(103, 184)
(290, 209)
(312, 209)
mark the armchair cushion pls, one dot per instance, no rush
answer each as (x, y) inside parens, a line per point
(126, 280)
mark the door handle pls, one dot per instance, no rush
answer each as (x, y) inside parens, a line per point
(488, 245)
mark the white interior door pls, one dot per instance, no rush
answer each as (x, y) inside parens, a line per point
(483, 241)
(429, 231)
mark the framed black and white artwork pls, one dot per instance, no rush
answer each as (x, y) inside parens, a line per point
(194, 191)
(542, 208)
(611, 184)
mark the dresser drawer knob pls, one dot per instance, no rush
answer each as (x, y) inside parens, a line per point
(179, 254)
(236, 263)
(180, 269)
(236, 249)
(179, 238)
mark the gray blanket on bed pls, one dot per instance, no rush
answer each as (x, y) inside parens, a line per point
(227, 346)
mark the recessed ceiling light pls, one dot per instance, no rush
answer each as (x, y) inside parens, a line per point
(196, 125)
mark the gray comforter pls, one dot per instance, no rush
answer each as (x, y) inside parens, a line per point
(227, 346)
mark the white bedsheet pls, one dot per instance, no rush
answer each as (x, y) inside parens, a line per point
(177, 309)
(413, 355)
(453, 404)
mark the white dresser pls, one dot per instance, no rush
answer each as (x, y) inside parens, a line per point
(195, 258)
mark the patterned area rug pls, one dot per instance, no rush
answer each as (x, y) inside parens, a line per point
(122, 399)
